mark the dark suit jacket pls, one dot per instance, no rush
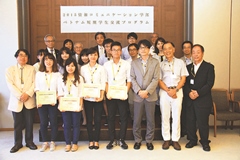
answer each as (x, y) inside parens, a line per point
(56, 52)
(203, 83)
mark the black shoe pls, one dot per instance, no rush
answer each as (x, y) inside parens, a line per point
(96, 145)
(110, 145)
(31, 145)
(190, 144)
(206, 147)
(137, 145)
(150, 146)
(123, 144)
(15, 148)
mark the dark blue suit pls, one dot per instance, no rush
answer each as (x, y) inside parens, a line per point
(198, 110)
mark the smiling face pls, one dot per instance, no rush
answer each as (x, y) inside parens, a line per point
(159, 45)
(93, 57)
(50, 42)
(187, 49)
(78, 48)
(154, 37)
(99, 39)
(64, 56)
(144, 50)
(69, 45)
(131, 40)
(22, 58)
(197, 54)
(48, 62)
(70, 68)
(116, 51)
(168, 51)
(133, 52)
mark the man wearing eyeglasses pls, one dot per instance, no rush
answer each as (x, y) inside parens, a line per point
(197, 92)
(172, 78)
(50, 43)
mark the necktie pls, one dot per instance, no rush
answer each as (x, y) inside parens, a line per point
(77, 58)
(22, 82)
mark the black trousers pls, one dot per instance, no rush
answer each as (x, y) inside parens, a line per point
(23, 119)
(112, 106)
(198, 117)
(96, 108)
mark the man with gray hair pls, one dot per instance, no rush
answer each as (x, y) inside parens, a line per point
(50, 42)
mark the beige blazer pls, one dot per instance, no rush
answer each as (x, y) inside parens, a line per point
(13, 79)
(145, 81)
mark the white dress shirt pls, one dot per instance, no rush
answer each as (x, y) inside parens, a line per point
(46, 81)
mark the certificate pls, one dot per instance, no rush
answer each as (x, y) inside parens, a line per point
(117, 92)
(69, 103)
(91, 90)
(46, 97)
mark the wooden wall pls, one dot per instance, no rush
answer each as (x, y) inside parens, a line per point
(45, 18)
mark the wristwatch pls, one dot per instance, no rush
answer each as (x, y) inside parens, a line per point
(177, 89)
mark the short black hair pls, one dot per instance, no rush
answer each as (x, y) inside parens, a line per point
(132, 34)
(22, 50)
(168, 42)
(144, 42)
(187, 42)
(133, 44)
(199, 45)
(102, 33)
(106, 41)
(116, 43)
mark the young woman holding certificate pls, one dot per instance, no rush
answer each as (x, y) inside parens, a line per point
(95, 79)
(46, 89)
(70, 103)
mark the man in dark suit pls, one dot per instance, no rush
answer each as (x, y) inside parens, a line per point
(78, 47)
(197, 92)
(50, 42)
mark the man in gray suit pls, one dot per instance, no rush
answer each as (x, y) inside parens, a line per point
(144, 76)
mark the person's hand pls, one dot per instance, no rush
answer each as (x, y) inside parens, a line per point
(53, 104)
(108, 97)
(143, 93)
(172, 93)
(24, 97)
(99, 99)
(39, 105)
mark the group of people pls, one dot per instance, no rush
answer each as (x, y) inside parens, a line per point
(149, 74)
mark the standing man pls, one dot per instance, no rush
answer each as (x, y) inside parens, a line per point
(99, 38)
(187, 50)
(20, 81)
(118, 74)
(154, 37)
(131, 38)
(172, 78)
(197, 91)
(78, 47)
(50, 43)
(187, 58)
(144, 76)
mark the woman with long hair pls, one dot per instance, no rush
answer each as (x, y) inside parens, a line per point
(70, 86)
(46, 80)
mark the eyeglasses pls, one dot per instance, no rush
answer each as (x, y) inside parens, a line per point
(131, 50)
(50, 41)
(22, 56)
(142, 47)
(116, 50)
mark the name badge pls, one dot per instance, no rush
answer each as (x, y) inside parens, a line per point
(191, 81)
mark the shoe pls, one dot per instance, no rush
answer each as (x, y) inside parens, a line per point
(176, 146)
(67, 148)
(15, 148)
(91, 145)
(74, 148)
(123, 144)
(150, 146)
(52, 146)
(44, 147)
(110, 145)
(31, 145)
(190, 144)
(166, 145)
(137, 145)
(206, 147)
(96, 145)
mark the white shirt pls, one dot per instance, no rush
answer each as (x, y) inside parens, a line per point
(98, 76)
(102, 59)
(46, 81)
(101, 50)
(171, 72)
(118, 74)
(75, 91)
(125, 54)
(196, 66)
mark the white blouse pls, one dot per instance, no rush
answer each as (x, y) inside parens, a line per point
(46, 81)
(94, 75)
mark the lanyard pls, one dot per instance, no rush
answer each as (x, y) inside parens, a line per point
(48, 82)
(92, 71)
(69, 85)
(115, 74)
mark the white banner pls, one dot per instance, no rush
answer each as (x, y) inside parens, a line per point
(115, 19)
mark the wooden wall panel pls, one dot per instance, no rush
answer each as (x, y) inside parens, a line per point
(45, 18)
